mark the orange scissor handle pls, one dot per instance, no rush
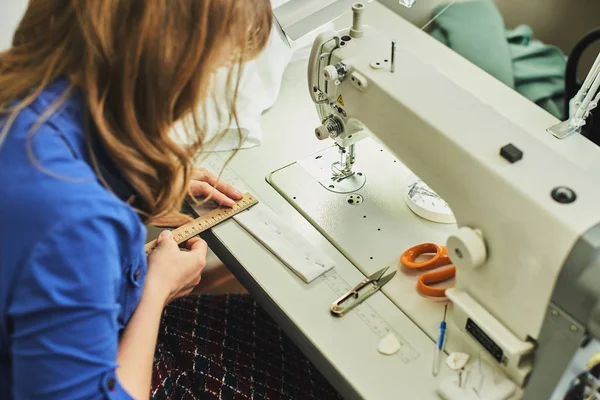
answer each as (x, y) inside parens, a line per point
(439, 259)
(435, 277)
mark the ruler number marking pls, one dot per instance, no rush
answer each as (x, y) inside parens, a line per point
(206, 221)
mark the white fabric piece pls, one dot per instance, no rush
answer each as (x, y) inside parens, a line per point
(297, 253)
(389, 344)
(260, 83)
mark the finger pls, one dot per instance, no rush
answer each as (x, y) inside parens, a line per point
(197, 245)
(203, 175)
(203, 189)
(199, 173)
(228, 190)
(165, 239)
(190, 243)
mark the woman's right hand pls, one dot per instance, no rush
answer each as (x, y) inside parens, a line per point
(172, 272)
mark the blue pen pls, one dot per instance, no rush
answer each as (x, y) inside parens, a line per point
(439, 346)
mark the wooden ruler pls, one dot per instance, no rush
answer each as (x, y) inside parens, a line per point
(206, 221)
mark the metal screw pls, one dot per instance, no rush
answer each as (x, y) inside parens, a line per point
(574, 328)
(554, 313)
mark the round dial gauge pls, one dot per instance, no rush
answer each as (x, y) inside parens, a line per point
(426, 203)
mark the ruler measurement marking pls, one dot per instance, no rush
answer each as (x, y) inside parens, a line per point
(206, 221)
(370, 317)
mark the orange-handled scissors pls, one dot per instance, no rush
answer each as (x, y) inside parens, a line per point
(440, 258)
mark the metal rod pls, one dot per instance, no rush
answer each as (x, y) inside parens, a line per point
(351, 156)
(343, 158)
(393, 63)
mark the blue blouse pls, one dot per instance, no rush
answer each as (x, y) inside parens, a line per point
(72, 263)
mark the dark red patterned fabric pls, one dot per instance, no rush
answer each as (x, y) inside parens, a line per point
(227, 347)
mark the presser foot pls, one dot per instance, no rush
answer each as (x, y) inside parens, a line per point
(344, 180)
(339, 174)
(343, 169)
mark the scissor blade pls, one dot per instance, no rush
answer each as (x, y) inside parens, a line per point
(385, 279)
(377, 275)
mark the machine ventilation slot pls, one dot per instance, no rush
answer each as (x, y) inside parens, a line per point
(484, 340)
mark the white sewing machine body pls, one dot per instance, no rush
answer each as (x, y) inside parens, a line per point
(452, 140)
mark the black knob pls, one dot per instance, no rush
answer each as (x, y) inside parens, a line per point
(563, 195)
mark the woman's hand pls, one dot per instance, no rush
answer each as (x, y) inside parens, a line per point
(174, 273)
(204, 184)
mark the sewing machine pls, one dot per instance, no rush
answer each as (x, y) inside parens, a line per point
(527, 234)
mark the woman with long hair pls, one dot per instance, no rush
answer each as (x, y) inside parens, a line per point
(89, 93)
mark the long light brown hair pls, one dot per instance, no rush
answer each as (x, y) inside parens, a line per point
(141, 65)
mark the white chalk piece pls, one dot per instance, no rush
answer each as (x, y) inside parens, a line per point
(389, 344)
(457, 361)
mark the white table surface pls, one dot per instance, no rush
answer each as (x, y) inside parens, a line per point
(345, 350)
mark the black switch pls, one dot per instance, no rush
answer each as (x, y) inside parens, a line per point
(511, 153)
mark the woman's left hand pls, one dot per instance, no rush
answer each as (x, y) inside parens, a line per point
(204, 184)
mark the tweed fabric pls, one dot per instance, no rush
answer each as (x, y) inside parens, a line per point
(227, 347)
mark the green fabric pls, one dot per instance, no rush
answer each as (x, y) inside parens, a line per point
(475, 30)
